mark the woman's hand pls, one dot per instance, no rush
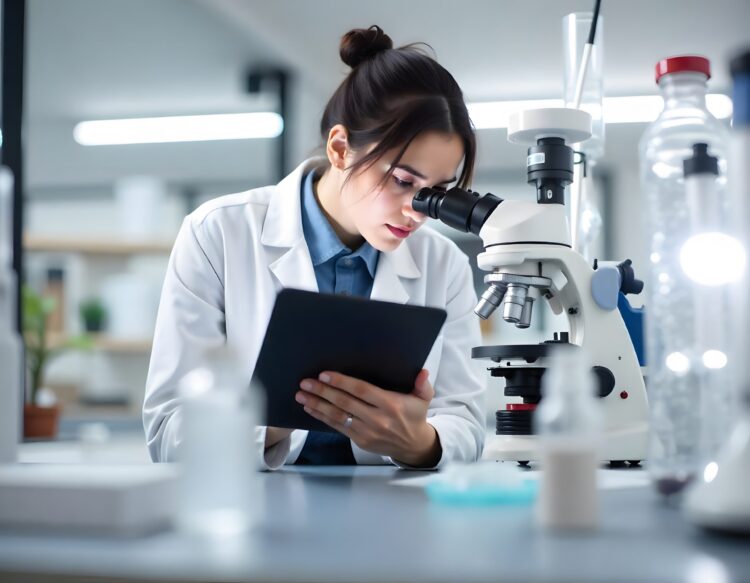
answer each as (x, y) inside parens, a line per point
(383, 422)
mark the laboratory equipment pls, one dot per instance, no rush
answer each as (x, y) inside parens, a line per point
(528, 255)
(218, 489)
(712, 259)
(483, 483)
(11, 351)
(567, 422)
(676, 369)
(583, 51)
(720, 499)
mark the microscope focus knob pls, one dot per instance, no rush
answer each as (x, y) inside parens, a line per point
(605, 379)
(628, 282)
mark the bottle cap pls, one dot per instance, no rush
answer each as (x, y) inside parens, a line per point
(683, 64)
(700, 162)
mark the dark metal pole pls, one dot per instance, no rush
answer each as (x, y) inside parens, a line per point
(283, 86)
(13, 32)
(256, 79)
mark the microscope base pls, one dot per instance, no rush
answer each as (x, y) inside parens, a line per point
(619, 446)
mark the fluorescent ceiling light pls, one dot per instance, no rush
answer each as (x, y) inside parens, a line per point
(634, 109)
(187, 128)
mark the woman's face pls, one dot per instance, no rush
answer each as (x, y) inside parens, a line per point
(381, 212)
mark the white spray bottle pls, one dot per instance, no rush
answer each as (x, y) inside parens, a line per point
(11, 351)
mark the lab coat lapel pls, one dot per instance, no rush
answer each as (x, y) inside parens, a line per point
(282, 229)
(392, 268)
(295, 269)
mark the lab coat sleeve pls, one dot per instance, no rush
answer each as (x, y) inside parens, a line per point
(457, 410)
(190, 322)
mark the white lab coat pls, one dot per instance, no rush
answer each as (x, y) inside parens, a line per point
(230, 259)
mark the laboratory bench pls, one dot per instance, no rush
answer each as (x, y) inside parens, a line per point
(376, 524)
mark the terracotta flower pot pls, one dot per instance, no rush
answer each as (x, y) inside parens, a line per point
(40, 422)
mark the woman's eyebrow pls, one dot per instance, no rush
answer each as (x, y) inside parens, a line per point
(419, 174)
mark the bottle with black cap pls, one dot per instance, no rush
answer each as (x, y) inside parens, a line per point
(711, 258)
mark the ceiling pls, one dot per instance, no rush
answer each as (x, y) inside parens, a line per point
(92, 59)
(499, 49)
(89, 57)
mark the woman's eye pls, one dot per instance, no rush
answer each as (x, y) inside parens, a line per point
(402, 183)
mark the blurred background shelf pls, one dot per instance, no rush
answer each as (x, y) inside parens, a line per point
(109, 344)
(95, 246)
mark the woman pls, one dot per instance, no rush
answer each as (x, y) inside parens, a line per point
(339, 224)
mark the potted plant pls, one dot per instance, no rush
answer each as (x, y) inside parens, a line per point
(93, 314)
(40, 420)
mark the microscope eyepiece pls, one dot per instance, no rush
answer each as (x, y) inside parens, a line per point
(463, 210)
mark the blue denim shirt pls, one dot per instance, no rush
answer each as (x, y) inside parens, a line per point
(338, 269)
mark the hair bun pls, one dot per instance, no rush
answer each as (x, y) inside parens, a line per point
(361, 44)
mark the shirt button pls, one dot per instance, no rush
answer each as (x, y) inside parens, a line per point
(348, 262)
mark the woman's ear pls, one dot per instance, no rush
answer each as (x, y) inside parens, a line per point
(337, 146)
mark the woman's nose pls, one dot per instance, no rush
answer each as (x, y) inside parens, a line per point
(409, 212)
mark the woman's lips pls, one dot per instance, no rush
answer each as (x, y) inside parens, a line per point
(398, 232)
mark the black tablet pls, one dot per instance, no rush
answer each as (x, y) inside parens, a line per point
(383, 343)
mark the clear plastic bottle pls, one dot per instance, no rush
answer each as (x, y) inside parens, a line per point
(675, 362)
(568, 423)
(219, 485)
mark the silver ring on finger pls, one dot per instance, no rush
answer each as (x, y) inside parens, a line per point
(348, 422)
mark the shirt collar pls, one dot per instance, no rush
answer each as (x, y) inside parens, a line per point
(321, 239)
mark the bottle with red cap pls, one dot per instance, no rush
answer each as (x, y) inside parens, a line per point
(682, 369)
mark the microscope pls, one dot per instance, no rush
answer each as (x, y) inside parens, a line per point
(528, 254)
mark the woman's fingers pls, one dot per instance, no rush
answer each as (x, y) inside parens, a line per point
(335, 407)
(341, 399)
(335, 421)
(357, 388)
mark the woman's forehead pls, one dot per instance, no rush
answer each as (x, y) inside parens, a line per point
(432, 156)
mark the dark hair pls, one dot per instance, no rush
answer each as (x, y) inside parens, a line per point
(392, 95)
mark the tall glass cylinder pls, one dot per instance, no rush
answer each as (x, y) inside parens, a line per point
(576, 27)
(585, 218)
